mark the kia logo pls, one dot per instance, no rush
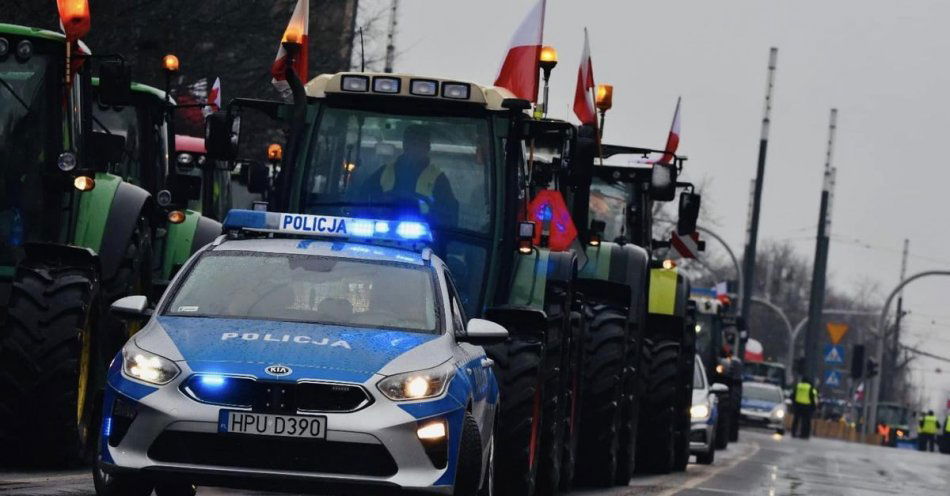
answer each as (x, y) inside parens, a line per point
(278, 370)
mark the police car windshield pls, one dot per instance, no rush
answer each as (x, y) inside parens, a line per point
(761, 392)
(307, 288)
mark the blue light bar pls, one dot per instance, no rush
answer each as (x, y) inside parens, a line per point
(326, 226)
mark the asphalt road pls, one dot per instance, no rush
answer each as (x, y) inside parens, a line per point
(761, 463)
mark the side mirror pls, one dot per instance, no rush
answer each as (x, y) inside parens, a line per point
(221, 136)
(115, 83)
(133, 308)
(718, 388)
(483, 332)
(663, 182)
(689, 213)
(258, 177)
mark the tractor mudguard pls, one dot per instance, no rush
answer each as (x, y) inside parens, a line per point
(127, 206)
(534, 272)
(185, 239)
(519, 320)
(616, 274)
(61, 255)
(206, 231)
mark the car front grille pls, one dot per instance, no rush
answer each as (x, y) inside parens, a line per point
(278, 397)
(273, 453)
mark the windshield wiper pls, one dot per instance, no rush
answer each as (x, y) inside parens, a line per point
(10, 89)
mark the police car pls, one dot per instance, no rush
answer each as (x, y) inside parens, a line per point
(326, 352)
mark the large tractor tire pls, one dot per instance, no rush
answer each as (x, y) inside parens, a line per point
(602, 410)
(657, 429)
(555, 414)
(133, 277)
(684, 402)
(573, 399)
(47, 366)
(518, 369)
(634, 389)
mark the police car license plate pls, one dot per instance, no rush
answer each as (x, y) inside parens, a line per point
(266, 424)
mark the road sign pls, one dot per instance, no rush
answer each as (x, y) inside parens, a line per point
(688, 246)
(836, 331)
(834, 354)
(832, 378)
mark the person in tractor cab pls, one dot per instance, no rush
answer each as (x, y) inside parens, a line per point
(414, 175)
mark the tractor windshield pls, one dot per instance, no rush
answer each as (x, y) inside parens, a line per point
(608, 202)
(121, 121)
(706, 343)
(27, 118)
(368, 163)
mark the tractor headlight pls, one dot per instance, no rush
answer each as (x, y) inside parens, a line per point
(147, 367)
(24, 50)
(699, 412)
(4, 47)
(185, 159)
(67, 161)
(417, 385)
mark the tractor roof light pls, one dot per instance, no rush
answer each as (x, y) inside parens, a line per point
(292, 36)
(170, 63)
(4, 47)
(84, 183)
(547, 60)
(605, 97)
(275, 152)
(24, 50)
(423, 87)
(74, 15)
(358, 84)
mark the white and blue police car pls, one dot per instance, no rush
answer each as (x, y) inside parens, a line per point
(302, 350)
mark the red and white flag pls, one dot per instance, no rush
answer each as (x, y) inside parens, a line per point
(214, 99)
(672, 141)
(584, 106)
(297, 31)
(519, 71)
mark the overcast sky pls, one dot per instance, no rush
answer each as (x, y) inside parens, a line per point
(882, 63)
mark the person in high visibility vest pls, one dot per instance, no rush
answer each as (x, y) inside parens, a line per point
(804, 403)
(944, 443)
(413, 176)
(927, 432)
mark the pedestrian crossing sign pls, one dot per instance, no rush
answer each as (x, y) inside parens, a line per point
(834, 354)
(833, 378)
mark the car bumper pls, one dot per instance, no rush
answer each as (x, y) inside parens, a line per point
(701, 437)
(759, 418)
(173, 436)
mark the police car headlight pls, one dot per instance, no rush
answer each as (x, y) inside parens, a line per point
(699, 411)
(778, 413)
(147, 367)
(418, 385)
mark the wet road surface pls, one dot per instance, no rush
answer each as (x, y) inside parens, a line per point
(761, 463)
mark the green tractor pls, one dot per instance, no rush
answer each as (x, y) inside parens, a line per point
(355, 142)
(85, 199)
(716, 331)
(638, 306)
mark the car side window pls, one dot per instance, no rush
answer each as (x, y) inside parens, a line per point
(458, 313)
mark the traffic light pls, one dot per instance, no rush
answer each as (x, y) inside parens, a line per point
(857, 361)
(871, 368)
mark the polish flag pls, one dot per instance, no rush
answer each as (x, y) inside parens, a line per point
(673, 141)
(519, 72)
(297, 31)
(584, 94)
(214, 99)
